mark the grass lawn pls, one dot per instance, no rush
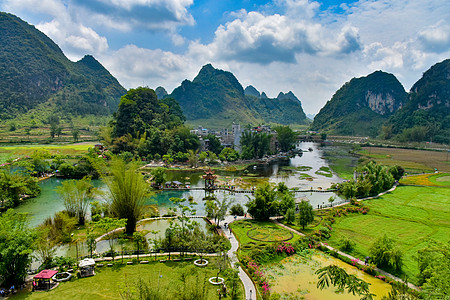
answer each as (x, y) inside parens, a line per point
(12, 152)
(412, 216)
(108, 283)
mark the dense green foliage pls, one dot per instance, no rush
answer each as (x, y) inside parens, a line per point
(269, 201)
(254, 144)
(426, 116)
(349, 113)
(34, 70)
(372, 179)
(434, 269)
(216, 97)
(146, 126)
(286, 138)
(305, 214)
(16, 246)
(77, 195)
(15, 184)
(385, 255)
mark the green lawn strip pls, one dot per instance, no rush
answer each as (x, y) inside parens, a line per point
(109, 281)
(411, 216)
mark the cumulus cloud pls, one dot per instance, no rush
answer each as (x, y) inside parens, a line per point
(139, 66)
(76, 38)
(258, 38)
(126, 15)
(435, 38)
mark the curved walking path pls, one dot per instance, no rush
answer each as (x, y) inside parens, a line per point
(362, 263)
(249, 287)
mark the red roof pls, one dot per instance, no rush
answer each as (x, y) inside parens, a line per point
(45, 274)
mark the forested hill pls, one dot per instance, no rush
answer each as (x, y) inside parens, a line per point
(215, 98)
(426, 116)
(34, 70)
(361, 106)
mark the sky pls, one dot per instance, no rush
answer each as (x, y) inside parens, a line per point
(308, 47)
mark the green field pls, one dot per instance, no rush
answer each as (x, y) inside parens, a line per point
(412, 216)
(108, 283)
(16, 151)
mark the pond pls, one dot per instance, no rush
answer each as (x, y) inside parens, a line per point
(294, 278)
(48, 202)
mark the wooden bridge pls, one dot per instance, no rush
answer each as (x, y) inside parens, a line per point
(242, 191)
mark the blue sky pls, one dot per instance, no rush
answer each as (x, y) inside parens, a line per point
(308, 47)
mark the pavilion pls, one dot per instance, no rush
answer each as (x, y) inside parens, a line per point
(42, 279)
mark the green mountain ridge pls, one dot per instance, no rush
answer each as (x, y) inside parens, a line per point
(34, 70)
(426, 115)
(361, 106)
(217, 99)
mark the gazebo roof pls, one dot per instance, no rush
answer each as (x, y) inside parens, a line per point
(87, 262)
(45, 274)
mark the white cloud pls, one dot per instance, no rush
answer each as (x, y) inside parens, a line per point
(136, 66)
(436, 38)
(75, 38)
(126, 15)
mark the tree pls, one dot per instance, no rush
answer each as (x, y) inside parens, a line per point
(192, 158)
(75, 134)
(53, 128)
(287, 200)
(214, 143)
(217, 209)
(384, 253)
(286, 138)
(140, 241)
(237, 210)
(338, 277)
(290, 216)
(77, 195)
(159, 175)
(254, 144)
(16, 246)
(264, 205)
(305, 214)
(228, 154)
(127, 192)
(434, 269)
(331, 200)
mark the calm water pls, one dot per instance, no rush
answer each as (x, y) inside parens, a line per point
(48, 202)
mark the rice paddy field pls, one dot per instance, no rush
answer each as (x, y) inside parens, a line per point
(413, 161)
(411, 215)
(15, 151)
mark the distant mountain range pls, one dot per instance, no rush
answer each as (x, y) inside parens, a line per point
(35, 74)
(362, 105)
(215, 98)
(34, 71)
(377, 105)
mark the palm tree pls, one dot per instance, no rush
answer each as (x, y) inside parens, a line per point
(127, 190)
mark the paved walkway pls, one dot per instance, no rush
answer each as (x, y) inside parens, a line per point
(362, 263)
(249, 287)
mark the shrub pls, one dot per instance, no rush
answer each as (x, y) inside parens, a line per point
(237, 210)
(346, 244)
